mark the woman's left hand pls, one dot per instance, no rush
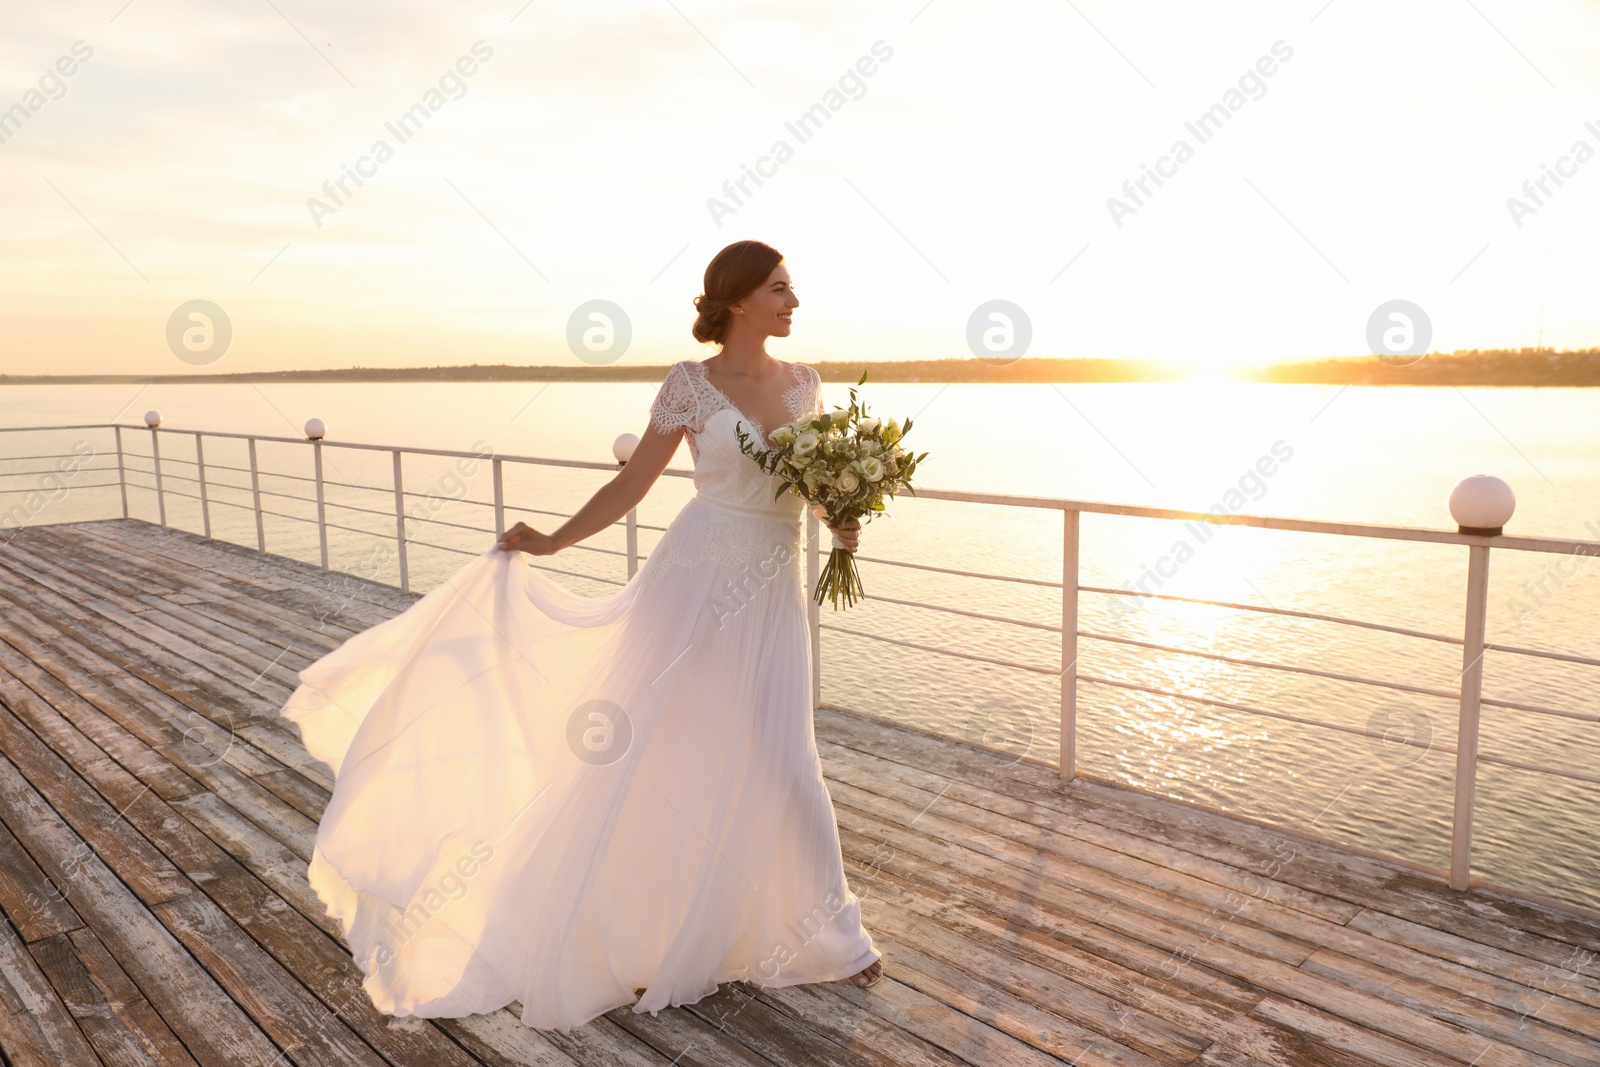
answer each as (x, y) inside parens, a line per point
(849, 534)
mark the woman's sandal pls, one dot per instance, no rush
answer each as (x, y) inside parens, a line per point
(866, 981)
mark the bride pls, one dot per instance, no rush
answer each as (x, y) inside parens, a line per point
(577, 802)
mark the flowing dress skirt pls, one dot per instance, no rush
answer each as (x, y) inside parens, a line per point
(559, 799)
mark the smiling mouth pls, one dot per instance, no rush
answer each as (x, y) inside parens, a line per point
(785, 318)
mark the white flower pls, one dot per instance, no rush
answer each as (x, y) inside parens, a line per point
(847, 482)
(871, 469)
(805, 443)
(891, 432)
(867, 425)
(782, 435)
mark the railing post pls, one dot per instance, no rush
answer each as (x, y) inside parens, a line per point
(813, 609)
(200, 469)
(400, 522)
(499, 497)
(1467, 730)
(122, 472)
(1069, 644)
(633, 542)
(161, 492)
(255, 495)
(322, 509)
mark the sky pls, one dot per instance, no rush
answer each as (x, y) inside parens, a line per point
(1358, 153)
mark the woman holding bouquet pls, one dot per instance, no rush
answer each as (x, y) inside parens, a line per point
(582, 803)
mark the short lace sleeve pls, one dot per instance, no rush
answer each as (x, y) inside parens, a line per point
(816, 389)
(676, 404)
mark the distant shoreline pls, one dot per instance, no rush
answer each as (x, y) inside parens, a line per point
(1504, 367)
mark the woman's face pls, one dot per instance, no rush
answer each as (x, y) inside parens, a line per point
(767, 311)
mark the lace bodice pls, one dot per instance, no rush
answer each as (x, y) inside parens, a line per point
(722, 472)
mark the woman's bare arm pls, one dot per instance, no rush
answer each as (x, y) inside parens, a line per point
(614, 499)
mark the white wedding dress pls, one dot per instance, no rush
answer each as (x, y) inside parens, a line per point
(559, 799)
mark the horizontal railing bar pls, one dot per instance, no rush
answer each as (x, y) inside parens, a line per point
(958, 573)
(286, 496)
(881, 599)
(90, 485)
(388, 513)
(1247, 709)
(447, 499)
(1540, 710)
(385, 490)
(51, 455)
(1268, 665)
(942, 651)
(1446, 638)
(281, 515)
(1269, 522)
(1565, 656)
(1541, 768)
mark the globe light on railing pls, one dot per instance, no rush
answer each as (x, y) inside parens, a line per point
(316, 429)
(623, 447)
(152, 419)
(1482, 504)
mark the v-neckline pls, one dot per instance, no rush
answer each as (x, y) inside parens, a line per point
(705, 376)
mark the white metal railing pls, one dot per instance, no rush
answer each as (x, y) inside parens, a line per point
(1469, 696)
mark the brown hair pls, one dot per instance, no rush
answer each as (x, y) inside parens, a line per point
(733, 274)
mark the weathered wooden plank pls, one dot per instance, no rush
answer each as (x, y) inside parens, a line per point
(500, 1040)
(182, 641)
(1490, 917)
(33, 903)
(280, 868)
(1512, 1027)
(147, 660)
(1046, 1018)
(123, 996)
(770, 1033)
(288, 752)
(207, 1020)
(116, 1043)
(1350, 943)
(77, 731)
(208, 755)
(686, 1039)
(141, 866)
(1141, 985)
(1573, 978)
(190, 581)
(306, 797)
(270, 577)
(1371, 1012)
(982, 807)
(278, 1003)
(827, 1008)
(36, 1028)
(319, 961)
(1093, 889)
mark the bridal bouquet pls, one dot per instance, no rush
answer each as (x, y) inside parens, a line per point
(843, 464)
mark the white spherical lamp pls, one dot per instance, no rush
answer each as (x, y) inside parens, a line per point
(624, 445)
(316, 429)
(152, 419)
(1482, 504)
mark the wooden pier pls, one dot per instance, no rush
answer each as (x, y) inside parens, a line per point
(158, 818)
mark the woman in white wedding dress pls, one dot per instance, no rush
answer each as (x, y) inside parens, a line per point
(563, 800)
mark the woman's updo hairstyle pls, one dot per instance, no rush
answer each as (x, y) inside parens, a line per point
(733, 274)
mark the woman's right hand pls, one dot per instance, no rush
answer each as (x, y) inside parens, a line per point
(524, 538)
